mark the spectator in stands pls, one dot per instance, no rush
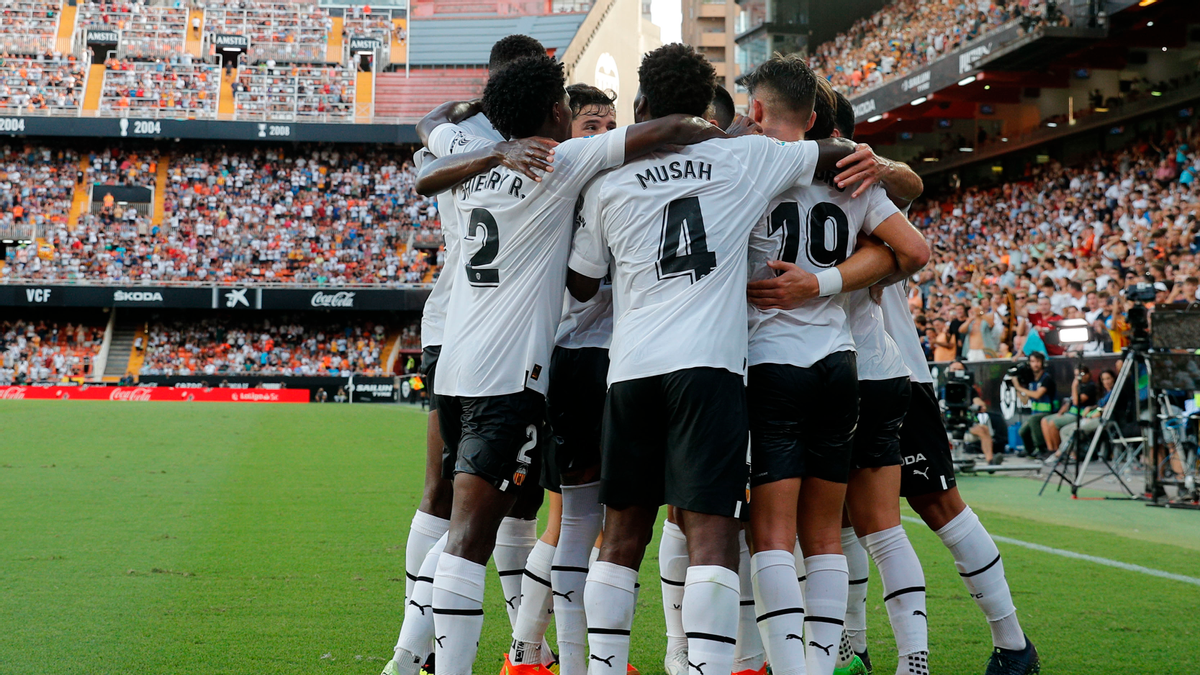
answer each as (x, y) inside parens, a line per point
(1083, 395)
(47, 352)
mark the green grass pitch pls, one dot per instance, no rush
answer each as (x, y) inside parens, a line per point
(254, 539)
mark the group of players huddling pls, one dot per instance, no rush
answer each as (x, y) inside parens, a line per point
(621, 310)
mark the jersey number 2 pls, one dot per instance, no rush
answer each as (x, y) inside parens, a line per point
(486, 255)
(684, 224)
(786, 216)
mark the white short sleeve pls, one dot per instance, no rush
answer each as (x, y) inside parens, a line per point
(576, 161)
(879, 208)
(451, 139)
(589, 249)
(786, 164)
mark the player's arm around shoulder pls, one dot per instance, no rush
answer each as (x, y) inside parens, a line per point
(451, 112)
(532, 157)
(646, 137)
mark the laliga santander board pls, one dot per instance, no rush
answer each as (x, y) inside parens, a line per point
(85, 393)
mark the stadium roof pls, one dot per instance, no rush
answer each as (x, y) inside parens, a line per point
(468, 42)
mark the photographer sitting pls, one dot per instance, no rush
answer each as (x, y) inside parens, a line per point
(982, 430)
(1039, 392)
(1083, 395)
(1090, 418)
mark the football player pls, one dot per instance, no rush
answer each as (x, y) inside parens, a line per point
(803, 384)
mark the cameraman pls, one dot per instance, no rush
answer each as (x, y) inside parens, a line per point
(1040, 395)
(982, 430)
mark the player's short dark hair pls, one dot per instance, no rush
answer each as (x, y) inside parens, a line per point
(585, 95)
(844, 115)
(824, 105)
(789, 79)
(676, 79)
(520, 95)
(723, 110)
(512, 47)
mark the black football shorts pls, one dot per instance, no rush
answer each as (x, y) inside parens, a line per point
(802, 419)
(882, 405)
(498, 438)
(678, 438)
(577, 389)
(925, 446)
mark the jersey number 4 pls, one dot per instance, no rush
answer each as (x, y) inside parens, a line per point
(827, 223)
(683, 245)
(486, 255)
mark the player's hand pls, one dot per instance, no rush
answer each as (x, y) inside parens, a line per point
(791, 288)
(862, 165)
(743, 126)
(876, 293)
(531, 156)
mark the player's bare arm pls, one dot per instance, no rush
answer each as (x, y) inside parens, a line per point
(532, 156)
(907, 242)
(863, 166)
(871, 262)
(649, 136)
(582, 288)
(451, 112)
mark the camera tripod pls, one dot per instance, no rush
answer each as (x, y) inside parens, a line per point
(1062, 465)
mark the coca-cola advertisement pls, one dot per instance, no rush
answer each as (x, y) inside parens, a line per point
(131, 394)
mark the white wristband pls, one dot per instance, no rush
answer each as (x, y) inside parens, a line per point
(829, 282)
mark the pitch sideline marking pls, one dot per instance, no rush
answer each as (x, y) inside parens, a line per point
(1083, 556)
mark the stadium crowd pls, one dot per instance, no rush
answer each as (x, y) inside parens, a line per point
(268, 215)
(292, 346)
(41, 351)
(173, 83)
(1062, 242)
(49, 82)
(908, 34)
(36, 184)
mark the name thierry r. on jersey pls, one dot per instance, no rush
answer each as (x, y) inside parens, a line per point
(494, 181)
(675, 171)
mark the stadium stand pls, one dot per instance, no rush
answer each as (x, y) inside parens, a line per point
(294, 92)
(174, 85)
(285, 346)
(282, 31)
(41, 85)
(28, 26)
(908, 34)
(268, 215)
(147, 31)
(47, 351)
(1124, 217)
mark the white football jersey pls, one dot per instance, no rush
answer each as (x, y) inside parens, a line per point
(587, 324)
(476, 132)
(816, 228)
(898, 321)
(675, 226)
(878, 356)
(506, 301)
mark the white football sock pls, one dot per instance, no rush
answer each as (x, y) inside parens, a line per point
(610, 601)
(536, 607)
(903, 588)
(748, 654)
(780, 609)
(801, 574)
(979, 564)
(423, 533)
(582, 517)
(913, 664)
(825, 593)
(415, 643)
(457, 613)
(710, 618)
(673, 567)
(856, 598)
(514, 540)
